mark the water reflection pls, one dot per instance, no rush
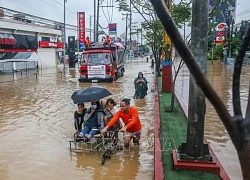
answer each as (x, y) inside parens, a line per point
(36, 122)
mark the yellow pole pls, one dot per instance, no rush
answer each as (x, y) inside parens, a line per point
(166, 40)
(167, 59)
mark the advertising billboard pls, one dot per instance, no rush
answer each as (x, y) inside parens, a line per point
(112, 28)
(81, 29)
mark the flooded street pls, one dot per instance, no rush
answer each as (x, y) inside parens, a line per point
(220, 76)
(36, 123)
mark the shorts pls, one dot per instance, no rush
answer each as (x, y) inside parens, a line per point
(132, 135)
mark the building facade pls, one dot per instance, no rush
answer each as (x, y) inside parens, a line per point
(19, 35)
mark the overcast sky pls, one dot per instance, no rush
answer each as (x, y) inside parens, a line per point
(51, 9)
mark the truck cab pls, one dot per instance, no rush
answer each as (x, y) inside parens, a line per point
(100, 63)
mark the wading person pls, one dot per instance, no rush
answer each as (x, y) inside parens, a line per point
(79, 117)
(141, 86)
(132, 124)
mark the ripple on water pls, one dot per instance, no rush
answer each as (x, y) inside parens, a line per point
(36, 123)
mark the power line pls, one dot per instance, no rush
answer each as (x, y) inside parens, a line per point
(65, 8)
(104, 14)
(243, 12)
(36, 19)
(112, 11)
(62, 6)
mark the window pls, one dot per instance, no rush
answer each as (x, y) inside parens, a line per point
(46, 39)
(96, 59)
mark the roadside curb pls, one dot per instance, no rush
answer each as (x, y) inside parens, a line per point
(158, 168)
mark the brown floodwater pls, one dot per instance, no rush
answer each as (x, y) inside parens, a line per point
(36, 123)
(220, 76)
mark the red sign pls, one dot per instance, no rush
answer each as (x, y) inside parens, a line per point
(47, 44)
(220, 33)
(220, 27)
(7, 41)
(81, 27)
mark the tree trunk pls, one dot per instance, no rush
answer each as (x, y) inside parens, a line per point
(238, 129)
(244, 158)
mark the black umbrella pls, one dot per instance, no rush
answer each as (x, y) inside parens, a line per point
(90, 94)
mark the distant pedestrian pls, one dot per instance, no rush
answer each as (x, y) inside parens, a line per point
(152, 63)
(141, 86)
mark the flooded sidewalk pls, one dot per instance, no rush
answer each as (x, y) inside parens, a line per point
(36, 123)
(220, 76)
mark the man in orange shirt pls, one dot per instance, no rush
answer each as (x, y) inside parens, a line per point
(132, 124)
(87, 42)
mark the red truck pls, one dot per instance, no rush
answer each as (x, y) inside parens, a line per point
(102, 63)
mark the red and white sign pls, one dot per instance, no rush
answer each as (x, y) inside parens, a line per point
(220, 27)
(47, 44)
(220, 33)
(81, 27)
(8, 41)
(220, 38)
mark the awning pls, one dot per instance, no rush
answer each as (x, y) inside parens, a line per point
(19, 57)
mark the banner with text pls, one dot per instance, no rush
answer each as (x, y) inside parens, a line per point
(81, 29)
(96, 71)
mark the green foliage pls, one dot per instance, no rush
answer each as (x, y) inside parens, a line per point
(122, 5)
(218, 50)
(181, 13)
(235, 45)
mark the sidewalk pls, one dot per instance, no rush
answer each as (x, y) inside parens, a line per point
(173, 131)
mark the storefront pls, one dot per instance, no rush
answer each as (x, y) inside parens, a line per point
(19, 37)
(49, 51)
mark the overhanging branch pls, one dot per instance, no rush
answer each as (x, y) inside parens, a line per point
(237, 72)
(189, 60)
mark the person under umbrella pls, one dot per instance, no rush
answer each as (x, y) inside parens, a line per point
(93, 120)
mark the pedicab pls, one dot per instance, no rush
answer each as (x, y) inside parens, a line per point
(98, 143)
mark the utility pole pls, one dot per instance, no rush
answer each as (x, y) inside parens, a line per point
(126, 36)
(90, 33)
(95, 20)
(64, 35)
(130, 35)
(184, 33)
(194, 149)
(141, 35)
